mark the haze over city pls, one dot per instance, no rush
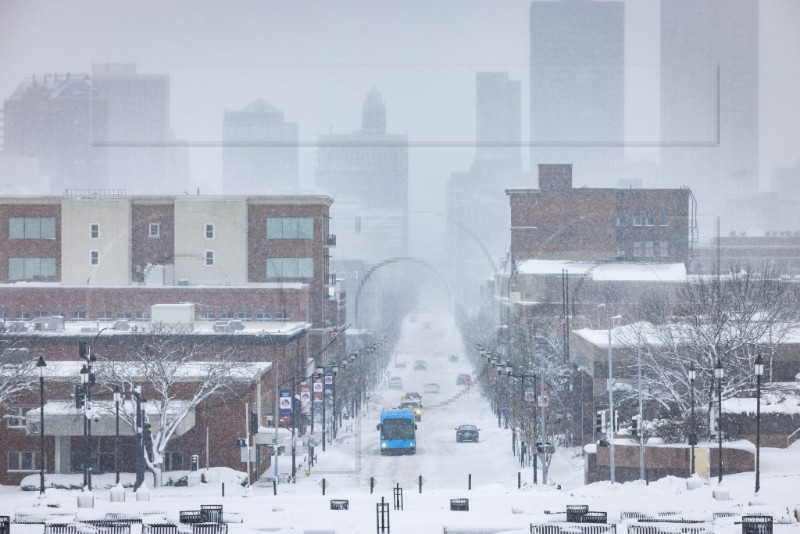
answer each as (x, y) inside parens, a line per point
(316, 62)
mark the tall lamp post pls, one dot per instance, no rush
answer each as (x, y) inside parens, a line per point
(758, 368)
(509, 371)
(321, 375)
(692, 434)
(719, 373)
(87, 461)
(611, 429)
(41, 364)
(117, 399)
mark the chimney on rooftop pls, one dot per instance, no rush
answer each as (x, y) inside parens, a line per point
(555, 176)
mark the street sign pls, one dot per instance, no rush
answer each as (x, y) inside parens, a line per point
(305, 398)
(285, 403)
(317, 389)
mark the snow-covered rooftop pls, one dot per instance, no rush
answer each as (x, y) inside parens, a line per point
(638, 271)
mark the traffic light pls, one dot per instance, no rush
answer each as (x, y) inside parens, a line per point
(241, 442)
(635, 425)
(600, 422)
(79, 398)
(253, 423)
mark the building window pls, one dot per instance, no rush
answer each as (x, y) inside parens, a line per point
(290, 228)
(79, 316)
(225, 316)
(263, 316)
(621, 248)
(209, 257)
(104, 316)
(142, 316)
(648, 249)
(245, 316)
(173, 461)
(637, 249)
(649, 217)
(24, 461)
(637, 217)
(94, 258)
(124, 316)
(38, 314)
(15, 416)
(664, 219)
(283, 316)
(94, 230)
(207, 315)
(31, 268)
(290, 268)
(63, 315)
(154, 230)
(209, 231)
(621, 217)
(31, 228)
(664, 249)
(22, 316)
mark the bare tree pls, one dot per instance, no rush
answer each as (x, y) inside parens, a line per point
(177, 370)
(17, 367)
(728, 319)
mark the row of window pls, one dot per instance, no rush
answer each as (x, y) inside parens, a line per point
(145, 316)
(646, 249)
(36, 268)
(24, 461)
(45, 228)
(643, 217)
(103, 462)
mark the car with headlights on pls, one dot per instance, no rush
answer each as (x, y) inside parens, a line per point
(467, 433)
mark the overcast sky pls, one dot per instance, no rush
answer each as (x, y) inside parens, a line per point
(316, 60)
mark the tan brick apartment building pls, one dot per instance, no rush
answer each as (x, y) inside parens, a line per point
(101, 258)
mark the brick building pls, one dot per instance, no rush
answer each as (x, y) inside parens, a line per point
(106, 258)
(559, 222)
(209, 429)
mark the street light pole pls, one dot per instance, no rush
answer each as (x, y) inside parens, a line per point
(117, 399)
(692, 434)
(294, 428)
(610, 397)
(719, 373)
(759, 370)
(41, 364)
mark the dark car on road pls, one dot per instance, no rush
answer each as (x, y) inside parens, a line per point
(420, 365)
(467, 433)
(464, 380)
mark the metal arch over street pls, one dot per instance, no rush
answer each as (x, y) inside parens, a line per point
(467, 231)
(395, 260)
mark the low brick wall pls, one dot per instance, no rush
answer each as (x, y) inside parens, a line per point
(661, 461)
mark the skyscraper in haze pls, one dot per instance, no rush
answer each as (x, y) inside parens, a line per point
(498, 121)
(260, 169)
(477, 208)
(697, 37)
(139, 129)
(577, 87)
(54, 119)
(367, 173)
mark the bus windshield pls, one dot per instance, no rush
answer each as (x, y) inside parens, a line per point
(397, 429)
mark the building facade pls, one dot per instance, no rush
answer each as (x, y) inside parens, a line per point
(577, 87)
(560, 222)
(260, 152)
(367, 172)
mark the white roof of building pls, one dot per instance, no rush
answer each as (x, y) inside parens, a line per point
(634, 271)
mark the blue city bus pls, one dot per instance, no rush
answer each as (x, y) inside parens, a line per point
(398, 434)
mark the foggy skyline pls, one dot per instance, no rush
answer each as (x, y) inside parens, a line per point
(315, 62)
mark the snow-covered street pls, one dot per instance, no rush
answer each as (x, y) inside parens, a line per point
(496, 504)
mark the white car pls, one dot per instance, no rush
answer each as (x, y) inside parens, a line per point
(395, 383)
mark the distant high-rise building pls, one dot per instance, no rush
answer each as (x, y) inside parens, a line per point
(710, 134)
(367, 172)
(139, 134)
(498, 121)
(260, 154)
(578, 87)
(55, 118)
